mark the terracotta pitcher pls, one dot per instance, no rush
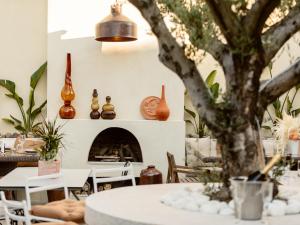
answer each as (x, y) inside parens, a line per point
(162, 111)
(151, 175)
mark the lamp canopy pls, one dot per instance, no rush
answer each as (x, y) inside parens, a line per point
(116, 27)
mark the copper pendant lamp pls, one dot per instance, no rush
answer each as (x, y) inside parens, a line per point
(116, 27)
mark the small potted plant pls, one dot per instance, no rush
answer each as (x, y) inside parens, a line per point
(50, 133)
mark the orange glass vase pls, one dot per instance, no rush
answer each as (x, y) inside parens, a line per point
(162, 111)
(67, 111)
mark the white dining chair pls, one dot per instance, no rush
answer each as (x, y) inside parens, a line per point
(44, 183)
(2, 213)
(124, 173)
(26, 217)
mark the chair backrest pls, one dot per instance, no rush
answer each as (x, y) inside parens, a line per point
(10, 205)
(127, 173)
(44, 183)
(172, 176)
(24, 217)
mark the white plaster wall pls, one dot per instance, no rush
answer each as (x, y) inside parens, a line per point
(22, 50)
(128, 72)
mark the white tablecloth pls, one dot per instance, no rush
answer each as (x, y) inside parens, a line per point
(141, 205)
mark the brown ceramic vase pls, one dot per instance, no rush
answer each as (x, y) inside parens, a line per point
(162, 111)
(151, 175)
(67, 111)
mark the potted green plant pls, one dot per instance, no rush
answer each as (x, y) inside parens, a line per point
(28, 121)
(198, 144)
(50, 133)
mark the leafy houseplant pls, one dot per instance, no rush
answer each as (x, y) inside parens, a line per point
(50, 133)
(194, 145)
(28, 123)
(197, 123)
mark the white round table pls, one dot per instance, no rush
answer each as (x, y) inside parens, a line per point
(140, 205)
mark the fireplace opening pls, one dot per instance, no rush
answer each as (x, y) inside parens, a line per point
(115, 144)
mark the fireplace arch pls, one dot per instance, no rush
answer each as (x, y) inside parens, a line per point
(115, 144)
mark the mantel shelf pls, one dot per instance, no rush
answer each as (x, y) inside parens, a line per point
(119, 121)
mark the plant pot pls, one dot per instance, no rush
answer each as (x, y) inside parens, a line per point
(48, 167)
(269, 146)
(293, 147)
(196, 149)
(213, 148)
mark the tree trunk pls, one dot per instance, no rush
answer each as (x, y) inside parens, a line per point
(242, 152)
(241, 146)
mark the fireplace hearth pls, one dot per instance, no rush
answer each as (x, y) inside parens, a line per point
(115, 144)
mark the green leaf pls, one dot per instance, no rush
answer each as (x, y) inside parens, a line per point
(289, 105)
(16, 120)
(9, 85)
(31, 102)
(36, 125)
(297, 87)
(277, 106)
(16, 97)
(36, 76)
(190, 122)
(38, 110)
(20, 128)
(190, 112)
(11, 96)
(214, 89)
(8, 121)
(266, 127)
(211, 78)
(295, 112)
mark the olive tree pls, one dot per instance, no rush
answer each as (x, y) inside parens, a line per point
(243, 36)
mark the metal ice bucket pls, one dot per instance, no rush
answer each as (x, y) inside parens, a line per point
(249, 197)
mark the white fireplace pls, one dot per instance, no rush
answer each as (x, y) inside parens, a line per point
(155, 139)
(128, 72)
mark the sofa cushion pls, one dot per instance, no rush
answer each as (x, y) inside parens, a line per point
(67, 210)
(53, 223)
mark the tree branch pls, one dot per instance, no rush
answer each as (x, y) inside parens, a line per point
(278, 34)
(193, 20)
(255, 19)
(278, 85)
(172, 55)
(226, 20)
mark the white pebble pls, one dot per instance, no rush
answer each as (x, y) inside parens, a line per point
(192, 206)
(211, 207)
(226, 211)
(276, 209)
(231, 204)
(180, 203)
(279, 202)
(201, 199)
(292, 208)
